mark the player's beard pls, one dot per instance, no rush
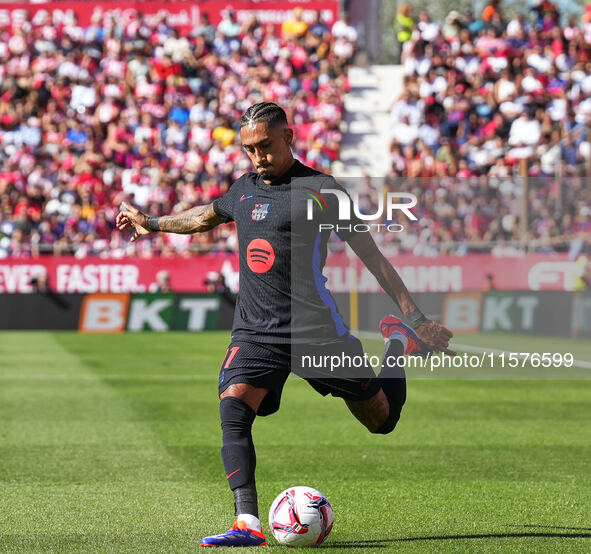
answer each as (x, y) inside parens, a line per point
(266, 173)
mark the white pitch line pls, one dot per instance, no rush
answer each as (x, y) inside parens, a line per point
(478, 349)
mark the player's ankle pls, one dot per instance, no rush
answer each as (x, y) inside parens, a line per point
(399, 336)
(252, 522)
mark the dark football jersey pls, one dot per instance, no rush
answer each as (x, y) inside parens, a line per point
(283, 297)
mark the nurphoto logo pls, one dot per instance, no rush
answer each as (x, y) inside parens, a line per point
(387, 204)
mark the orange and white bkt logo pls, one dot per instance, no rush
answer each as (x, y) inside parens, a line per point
(260, 256)
(104, 313)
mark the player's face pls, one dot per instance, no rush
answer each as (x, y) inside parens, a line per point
(269, 149)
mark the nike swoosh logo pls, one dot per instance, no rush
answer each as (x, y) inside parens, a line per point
(244, 197)
(236, 471)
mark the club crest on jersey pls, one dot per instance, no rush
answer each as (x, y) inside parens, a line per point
(260, 212)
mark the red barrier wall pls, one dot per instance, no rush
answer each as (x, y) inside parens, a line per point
(442, 274)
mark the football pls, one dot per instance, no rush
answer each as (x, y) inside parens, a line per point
(301, 516)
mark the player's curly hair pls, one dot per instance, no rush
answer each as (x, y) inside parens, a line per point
(264, 112)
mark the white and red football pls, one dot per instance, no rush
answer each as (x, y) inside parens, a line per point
(301, 516)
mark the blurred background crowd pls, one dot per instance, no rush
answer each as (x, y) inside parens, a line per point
(490, 102)
(91, 116)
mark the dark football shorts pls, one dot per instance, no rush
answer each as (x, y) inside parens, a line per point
(325, 366)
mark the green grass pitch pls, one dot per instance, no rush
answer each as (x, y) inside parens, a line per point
(111, 444)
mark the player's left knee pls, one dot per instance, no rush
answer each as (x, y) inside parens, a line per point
(388, 426)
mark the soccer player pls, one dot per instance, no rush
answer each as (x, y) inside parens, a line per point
(283, 309)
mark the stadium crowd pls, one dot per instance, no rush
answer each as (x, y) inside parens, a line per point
(91, 116)
(488, 101)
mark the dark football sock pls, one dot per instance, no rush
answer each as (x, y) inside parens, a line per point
(238, 453)
(245, 500)
(393, 381)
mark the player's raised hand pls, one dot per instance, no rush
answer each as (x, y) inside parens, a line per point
(131, 217)
(436, 336)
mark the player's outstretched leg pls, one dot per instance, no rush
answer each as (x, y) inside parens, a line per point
(239, 459)
(400, 340)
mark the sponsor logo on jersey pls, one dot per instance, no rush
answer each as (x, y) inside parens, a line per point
(260, 212)
(260, 256)
(245, 197)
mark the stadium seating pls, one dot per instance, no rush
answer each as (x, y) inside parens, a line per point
(486, 104)
(92, 116)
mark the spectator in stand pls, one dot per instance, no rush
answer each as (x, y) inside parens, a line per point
(403, 27)
(205, 29)
(319, 28)
(491, 9)
(295, 27)
(470, 23)
(345, 36)
(429, 30)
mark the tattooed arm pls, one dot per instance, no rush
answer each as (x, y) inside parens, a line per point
(195, 220)
(431, 332)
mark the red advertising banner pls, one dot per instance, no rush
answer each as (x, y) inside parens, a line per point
(460, 273)
(184, 15)
(441, 274)
(90, 275)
